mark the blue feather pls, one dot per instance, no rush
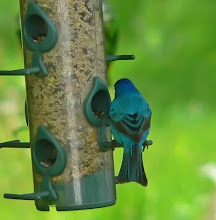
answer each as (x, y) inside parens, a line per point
(130, 117)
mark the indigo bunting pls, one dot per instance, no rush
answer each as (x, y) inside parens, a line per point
(130, 117)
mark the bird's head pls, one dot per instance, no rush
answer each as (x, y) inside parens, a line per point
(124, 87)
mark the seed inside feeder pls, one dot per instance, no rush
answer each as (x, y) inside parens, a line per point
(39, 38)
(99, 113)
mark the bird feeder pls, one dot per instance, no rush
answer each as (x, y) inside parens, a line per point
(67, 104)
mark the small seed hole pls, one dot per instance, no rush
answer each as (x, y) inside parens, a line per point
(46, 153)
(38, 39)
(36, 28)
(100, 104)
(99, 113)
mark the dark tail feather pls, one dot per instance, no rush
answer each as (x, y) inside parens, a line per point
(132, 169)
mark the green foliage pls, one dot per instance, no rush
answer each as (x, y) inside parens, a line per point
(174, 43)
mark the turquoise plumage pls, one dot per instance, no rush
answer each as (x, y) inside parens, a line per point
(130, 117)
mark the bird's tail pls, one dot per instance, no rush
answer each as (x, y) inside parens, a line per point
(132, 169)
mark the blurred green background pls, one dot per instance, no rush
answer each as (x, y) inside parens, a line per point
(175, 47)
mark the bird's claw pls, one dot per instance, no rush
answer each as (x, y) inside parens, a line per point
(146, 144)
(108, 145)
(115, 144)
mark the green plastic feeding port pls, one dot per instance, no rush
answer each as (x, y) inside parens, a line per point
(49, 159)
(39, 36)
(96, 108)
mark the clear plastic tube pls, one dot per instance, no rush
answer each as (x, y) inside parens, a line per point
(56, 102)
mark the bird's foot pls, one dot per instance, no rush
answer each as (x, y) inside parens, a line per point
(146, 144)
(115, 144)
(107, 145)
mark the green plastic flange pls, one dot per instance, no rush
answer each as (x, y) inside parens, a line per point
(39, 34)
(49, 159)
(96, 111)
(48, 156)
(96, 107)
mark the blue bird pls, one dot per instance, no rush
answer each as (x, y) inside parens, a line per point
(130, 117)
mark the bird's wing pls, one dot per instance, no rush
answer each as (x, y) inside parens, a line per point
(132, 125)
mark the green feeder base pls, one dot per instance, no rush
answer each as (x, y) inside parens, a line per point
(86, 193)
(90, 206)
